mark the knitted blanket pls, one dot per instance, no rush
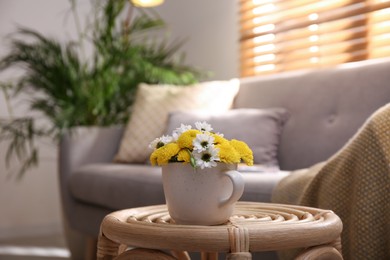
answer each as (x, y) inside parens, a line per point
(355, 184)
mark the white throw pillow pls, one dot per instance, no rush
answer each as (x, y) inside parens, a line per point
(153, 104)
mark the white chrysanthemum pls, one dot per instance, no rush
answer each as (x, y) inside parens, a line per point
(207, 158)
(202, 142)
(178, 131)
(220, 134)
(203, 126)
(161, 141)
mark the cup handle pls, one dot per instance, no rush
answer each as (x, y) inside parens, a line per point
(238, 187)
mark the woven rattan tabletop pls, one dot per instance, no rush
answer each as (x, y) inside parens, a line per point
(252, 227)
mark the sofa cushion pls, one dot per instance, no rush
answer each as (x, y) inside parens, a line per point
(326, 106)
(154, 102)
(259, 128)
(260, 185)
(117, 186)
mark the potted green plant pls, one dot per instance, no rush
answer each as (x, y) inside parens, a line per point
(71, 90)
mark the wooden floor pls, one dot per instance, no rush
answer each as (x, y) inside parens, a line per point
(51, 247)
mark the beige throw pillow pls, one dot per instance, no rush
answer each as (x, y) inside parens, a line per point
(153, 104)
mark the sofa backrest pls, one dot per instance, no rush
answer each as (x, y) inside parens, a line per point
(326, 106)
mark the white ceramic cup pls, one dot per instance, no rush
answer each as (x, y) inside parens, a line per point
(202, 196)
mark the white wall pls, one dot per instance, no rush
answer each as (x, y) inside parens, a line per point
(32, 205)
(211, 30)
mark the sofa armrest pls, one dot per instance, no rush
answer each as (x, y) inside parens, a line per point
(82, 146)
(86, 145)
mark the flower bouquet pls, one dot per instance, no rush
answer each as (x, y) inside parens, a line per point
(199, 171)
(200, 147)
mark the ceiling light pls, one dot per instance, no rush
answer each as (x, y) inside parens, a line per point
(147, 3)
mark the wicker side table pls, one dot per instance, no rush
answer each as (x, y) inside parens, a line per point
(253, 227)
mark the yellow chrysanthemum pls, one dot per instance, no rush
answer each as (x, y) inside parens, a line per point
(227, 153)
(153, 158)
(186, 138)
(243, 150)
(219, 139)
(184, 156)
(162, 155)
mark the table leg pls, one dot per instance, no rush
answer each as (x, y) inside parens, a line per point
(239, 244)
(91, 247)
(181, 255)
(320, 253)
(106, 249)
(145, 254)
(209, 255)
(239, 256)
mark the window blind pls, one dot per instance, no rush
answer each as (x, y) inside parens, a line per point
(283, 35)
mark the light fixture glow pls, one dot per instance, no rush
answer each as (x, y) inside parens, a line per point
(263, 68)
(314, 59)
(314, 38)
(313, 27)
(147, 3)
(314, 49)
(313, 17)
(264, 48)
(264, 38)
(264, 58)
(264, 28)
(264, 9)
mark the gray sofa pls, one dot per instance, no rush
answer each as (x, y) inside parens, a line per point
(326, 108)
